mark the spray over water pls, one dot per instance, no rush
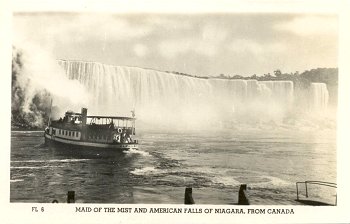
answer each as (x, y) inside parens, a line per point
(36, 80)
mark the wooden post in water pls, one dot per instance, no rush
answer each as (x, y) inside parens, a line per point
(242, 195)
(188, 196)
(71, 197)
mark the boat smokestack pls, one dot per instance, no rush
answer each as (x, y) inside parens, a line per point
(83, 115)
(83, 122)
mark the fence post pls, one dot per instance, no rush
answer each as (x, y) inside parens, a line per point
(307, 195)
(336, 199)
(71, 197)
(242, 195)
(188, 196)
(297, 191)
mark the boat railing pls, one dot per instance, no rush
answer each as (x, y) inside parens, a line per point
(312, 182)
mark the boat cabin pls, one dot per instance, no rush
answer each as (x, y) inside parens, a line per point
(97, 129)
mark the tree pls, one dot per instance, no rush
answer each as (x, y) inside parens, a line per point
(277, 73)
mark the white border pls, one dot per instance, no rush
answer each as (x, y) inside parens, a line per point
(180, 6)
(21, 212)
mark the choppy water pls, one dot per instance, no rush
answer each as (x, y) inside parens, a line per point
(213, 164)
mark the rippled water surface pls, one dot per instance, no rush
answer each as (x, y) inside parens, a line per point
(213, 164)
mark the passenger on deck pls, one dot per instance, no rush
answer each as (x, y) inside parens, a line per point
(124, 138)
(111, 125)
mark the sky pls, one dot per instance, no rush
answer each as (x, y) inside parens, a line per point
(205, 44)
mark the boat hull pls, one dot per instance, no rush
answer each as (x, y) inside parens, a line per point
(49, 139)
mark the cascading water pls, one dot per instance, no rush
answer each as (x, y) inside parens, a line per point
(319, 96)
(168, 98)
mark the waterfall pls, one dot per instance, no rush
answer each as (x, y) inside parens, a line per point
(172, 98)
(318, 101)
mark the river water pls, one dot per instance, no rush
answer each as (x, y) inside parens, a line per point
(215, 164)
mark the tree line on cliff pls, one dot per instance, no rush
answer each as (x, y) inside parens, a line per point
(302, 80)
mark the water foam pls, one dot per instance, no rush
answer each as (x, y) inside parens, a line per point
(33, 167)
(146, 171)
(226, 180)
(272, 182)
(16, 180)
(50, 161)
(27, 132)
(136, 151)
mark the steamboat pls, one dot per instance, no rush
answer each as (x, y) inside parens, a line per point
(81, 130)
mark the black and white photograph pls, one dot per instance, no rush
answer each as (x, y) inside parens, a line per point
(175, 108)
